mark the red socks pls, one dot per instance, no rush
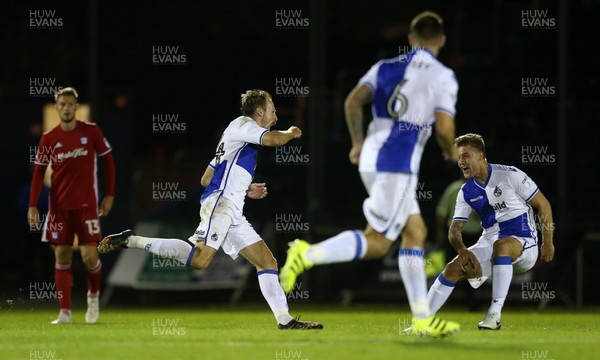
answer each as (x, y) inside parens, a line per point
(93, 277)
(63, 278)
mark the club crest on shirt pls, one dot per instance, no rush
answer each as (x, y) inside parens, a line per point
(84, 140)
(214, 237)
(58, 145)
(497, 192)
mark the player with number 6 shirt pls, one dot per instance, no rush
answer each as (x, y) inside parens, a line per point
(410, 96)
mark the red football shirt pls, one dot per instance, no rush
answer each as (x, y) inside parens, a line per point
(72, 155)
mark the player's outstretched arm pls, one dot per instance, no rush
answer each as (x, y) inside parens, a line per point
(542, 205)
(353, 109)
(445, 132)
(207, 176)
(278, 137)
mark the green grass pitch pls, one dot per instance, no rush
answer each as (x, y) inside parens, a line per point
(250, 333)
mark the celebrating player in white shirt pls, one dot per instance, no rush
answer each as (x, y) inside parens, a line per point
(228, 180)
(503, 197)
(410, 95)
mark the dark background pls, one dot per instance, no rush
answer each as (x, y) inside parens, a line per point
(232, 46)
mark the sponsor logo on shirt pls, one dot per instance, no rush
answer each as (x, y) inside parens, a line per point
(477, 198)
(72, 154)
(499, 206)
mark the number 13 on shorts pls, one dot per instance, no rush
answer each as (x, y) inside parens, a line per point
(93, 226)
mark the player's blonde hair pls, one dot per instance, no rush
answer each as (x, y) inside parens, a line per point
(473, 140)
(253, 99)
(427, 26)
(68, 91)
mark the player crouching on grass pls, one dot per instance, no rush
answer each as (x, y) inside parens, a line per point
(228, 180)
(502, 196)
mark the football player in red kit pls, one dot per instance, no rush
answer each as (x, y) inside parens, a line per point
(71, 149)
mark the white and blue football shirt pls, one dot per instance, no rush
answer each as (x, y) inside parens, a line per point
(407, 91)
(502, 202)
(235, 160)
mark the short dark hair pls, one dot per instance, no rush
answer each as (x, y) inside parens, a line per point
(427, 26)
(253, 99)
(472, 140)
(68, 91)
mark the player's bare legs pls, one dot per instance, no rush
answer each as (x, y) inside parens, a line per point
(202, 256)
(93, 268)
(63, 278)
(377, 244)
(259, 255)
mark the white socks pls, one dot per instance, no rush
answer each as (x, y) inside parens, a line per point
(273, 293)
(439, 293)
(169, 248)
(502, 272)
(344, 247)
(412, 271)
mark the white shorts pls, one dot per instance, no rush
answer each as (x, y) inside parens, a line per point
(223, 226)
(484, 248)
(392, 199)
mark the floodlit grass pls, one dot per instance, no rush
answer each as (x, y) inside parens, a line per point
(251, 333)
